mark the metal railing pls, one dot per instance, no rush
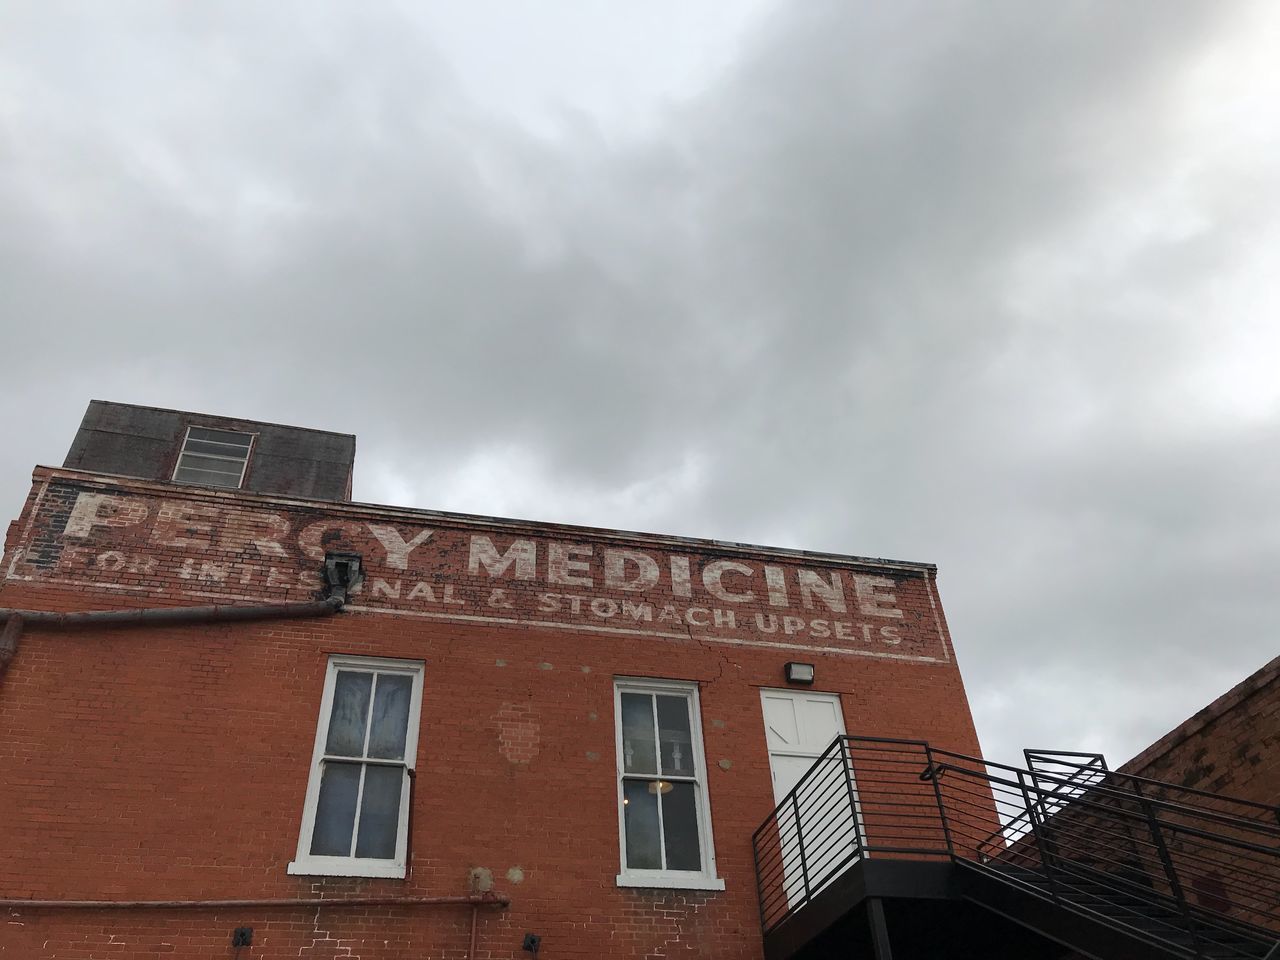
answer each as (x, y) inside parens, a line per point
(1192, 871)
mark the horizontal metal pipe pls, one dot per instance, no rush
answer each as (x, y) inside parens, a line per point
(155, 616)
(481, 900)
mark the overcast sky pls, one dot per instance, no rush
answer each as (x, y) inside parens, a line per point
(988, 284)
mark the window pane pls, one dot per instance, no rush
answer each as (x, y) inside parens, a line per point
(336, 811)
(380, 812)
(390, 716)
(680, 827)
(640, 819)
(216, 449)
(637, 734)
(350, 712)
(185, 475)
(220, 436)
(677, 743)
(191, 461)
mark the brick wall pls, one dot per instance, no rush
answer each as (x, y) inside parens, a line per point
(172, 762)
(1232, 746)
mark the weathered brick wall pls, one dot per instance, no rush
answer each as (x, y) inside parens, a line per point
(1231, 746)
(172, 762)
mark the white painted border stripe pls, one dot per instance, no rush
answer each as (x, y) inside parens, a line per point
(586, 628)
(937, 618)
(24, 542)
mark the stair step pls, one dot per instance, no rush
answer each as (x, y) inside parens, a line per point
(1155, 917)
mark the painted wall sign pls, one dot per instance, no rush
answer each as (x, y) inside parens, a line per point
(212, 547)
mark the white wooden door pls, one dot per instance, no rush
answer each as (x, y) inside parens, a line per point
(799, 726)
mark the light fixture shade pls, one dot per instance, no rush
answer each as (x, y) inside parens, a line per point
(799, 673)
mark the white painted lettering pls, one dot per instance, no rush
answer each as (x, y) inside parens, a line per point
(604, 607)
(214, 572)
(251, 528)
(563, 569)
(725, 618)
(713, 573)
(180, 524)
(615, 570)
(777, 582)
(278, 578)
(398, 549)
(103, 510)
(680, 585)
(112, 561)
(812, 584)
(325, 535)
(523, 554)
(871, 603)
(701, 620)
(382, 588)
(637, 611)
(422, 589)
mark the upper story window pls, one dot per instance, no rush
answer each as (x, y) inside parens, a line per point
(663, 812)
(214, 457)
(356, 816)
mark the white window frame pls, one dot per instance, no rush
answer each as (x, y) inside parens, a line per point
(704, 879)
(244, 467)
(305, 863)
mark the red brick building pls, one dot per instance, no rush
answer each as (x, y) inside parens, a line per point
(1232, 746)
(246, 717)
(517, 670)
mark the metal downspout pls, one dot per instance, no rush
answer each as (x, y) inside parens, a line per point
(341, 573)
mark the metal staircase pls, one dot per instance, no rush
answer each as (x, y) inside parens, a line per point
(1096, 862)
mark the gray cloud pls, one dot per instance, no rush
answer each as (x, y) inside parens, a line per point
(982, 284)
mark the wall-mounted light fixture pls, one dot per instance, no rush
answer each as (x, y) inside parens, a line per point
(800, 673)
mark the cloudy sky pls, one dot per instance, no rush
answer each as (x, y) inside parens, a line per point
(988, 284)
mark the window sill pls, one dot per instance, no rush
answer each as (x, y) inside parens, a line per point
(671, 883)
(350, 868)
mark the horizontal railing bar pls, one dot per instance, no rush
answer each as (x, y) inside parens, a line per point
(1139, 818)
(1095, 796)
(1052, 778)
(1090, 828)
(1202, 855)
(786, 800)
(1270, 809)
(1062, 828)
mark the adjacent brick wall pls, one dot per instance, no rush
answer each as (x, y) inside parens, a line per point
(1232, 746)
(172, 762)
